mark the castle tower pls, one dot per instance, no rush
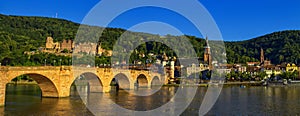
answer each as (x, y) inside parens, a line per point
(49, 43)
(262, 57)
(207, 55)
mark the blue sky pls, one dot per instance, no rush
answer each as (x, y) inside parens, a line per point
(236, 19)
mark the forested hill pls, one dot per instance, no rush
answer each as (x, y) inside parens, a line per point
(283, 46)
(22, 33)
(36, 28)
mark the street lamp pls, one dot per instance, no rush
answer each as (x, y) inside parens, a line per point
(45, 61)
(60, 62)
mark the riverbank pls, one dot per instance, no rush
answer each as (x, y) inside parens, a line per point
(248, 83)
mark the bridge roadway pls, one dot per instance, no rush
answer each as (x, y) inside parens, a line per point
(56, 81)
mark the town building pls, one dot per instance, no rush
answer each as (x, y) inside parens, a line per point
(289, 67)
(253, 63)
(272, 69)
(194, 68)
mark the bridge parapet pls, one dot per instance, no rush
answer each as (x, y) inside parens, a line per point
(3, 68)
(20, 68)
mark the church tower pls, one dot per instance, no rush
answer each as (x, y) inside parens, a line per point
(207, 54)
(262, 57)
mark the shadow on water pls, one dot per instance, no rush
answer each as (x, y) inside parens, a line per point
(127, 99)
(27, 100)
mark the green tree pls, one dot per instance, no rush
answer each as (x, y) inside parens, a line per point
(261, 75)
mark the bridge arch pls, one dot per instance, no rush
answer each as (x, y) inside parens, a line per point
(121, 80)
(155, 81)
(46, 84)
(142, 80)
(90, 79)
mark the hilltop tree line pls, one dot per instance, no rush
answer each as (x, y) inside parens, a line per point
(19, 34)
(278, 47)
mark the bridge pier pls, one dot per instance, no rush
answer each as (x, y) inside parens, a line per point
(2, 93)
(63, 92)
(106, 89)
(131, 86)
(149, 85)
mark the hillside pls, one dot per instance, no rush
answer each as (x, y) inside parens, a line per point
(278, 47)
(21, 33)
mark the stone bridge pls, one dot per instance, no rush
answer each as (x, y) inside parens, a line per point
(57, 81)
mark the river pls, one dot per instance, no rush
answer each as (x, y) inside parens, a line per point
(233, 100)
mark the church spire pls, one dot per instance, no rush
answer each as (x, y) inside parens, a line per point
(207, 57)
(262, 57)
(206, 41)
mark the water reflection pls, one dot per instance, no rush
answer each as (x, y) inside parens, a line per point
(105, 103)
(128, 100)
(27, 100)
(233, 100)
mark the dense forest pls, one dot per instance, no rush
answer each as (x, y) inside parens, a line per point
(21, 33)
(278, 47)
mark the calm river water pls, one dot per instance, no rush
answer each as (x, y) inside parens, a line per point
(233, 100)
